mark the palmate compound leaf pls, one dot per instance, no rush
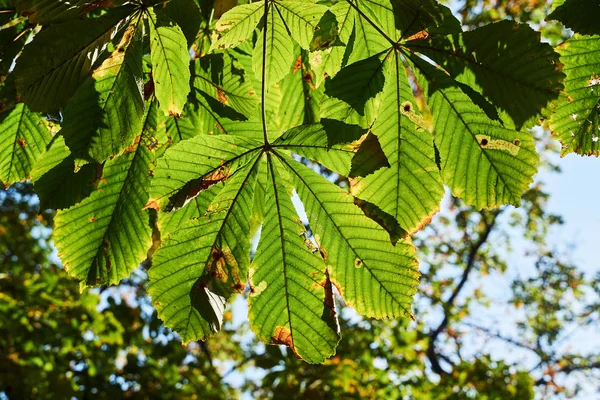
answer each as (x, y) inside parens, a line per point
(63, 55)
(213, 191)
(575, 116)
(364, 25)
(170, 63)
(107, 235)
(463, 114)
(283, 21)
(197, 268)
(107, 111)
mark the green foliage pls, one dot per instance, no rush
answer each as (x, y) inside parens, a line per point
(58, 342)
(574, 119)
(570, 14)
(185, 135)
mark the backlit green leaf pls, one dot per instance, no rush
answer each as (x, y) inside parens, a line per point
(575, 117)
(170, 63)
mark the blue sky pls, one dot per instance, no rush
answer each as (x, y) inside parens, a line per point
(575, 194)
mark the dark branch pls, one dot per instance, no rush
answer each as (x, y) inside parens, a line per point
(449, 305)
(501, 337)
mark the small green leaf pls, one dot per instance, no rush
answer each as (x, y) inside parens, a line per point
(575, 119)
(170, 63)
(23, 138)
(279, 49)
(105, 237)
(411, 189)
(62, 56)
(579, 15)
(237, 25)
(482, 161)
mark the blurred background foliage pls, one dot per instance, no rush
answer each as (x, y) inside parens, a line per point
(466, 342)
(56, 342)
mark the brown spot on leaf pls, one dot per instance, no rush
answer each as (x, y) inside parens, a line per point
(419, 35)
(218, 175)
(152, 203)
(93, 219)
(149, 88)
(216, 268)
(406, 107)
(174, 112)
(517, 142)
(297, 64)
(133, 146)
(284, 336)
(323, 253)
(238, 287)
(308, 78)
(21, 142)
(329, 299)
(484, 142)
(221, 96)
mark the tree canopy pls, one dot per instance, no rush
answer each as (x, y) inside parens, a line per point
(179, 131)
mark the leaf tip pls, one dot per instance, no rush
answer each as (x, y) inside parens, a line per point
(152, 203)
(284, 336)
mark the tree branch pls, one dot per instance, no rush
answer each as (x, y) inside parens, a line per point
(499, 336)
(448, 305)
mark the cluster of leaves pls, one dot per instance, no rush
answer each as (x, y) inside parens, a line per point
(112, 345)
(172, 135)
(56, 342)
